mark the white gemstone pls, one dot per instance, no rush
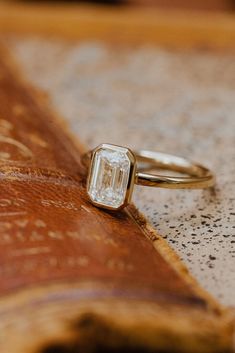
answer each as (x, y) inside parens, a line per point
(109, 176)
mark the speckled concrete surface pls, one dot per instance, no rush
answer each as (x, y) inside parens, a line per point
(176, 102)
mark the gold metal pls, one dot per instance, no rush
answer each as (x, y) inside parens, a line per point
(198, 177)
(143, 163)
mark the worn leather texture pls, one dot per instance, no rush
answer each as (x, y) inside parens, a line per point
(73, 277)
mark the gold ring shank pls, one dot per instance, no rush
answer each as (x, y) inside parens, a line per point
(198, 177)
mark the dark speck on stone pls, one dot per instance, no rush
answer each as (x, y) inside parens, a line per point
(211, 257)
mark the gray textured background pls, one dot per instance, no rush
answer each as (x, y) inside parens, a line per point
(170, 101)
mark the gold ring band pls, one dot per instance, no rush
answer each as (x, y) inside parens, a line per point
(198, 177)
(113, 171)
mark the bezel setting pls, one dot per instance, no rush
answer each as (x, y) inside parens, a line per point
(111, 176)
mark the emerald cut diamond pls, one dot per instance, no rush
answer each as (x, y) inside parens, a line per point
(111, 175)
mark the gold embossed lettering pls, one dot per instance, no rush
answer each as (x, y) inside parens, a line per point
(40, 224)
(55, 235)
(35, 236)
(21, 222)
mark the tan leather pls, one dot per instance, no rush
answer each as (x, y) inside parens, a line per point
(61, 258)
(212, 5)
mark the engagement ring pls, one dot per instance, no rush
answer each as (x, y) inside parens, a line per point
(113, 171)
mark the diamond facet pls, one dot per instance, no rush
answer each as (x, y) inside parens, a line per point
(109, 176)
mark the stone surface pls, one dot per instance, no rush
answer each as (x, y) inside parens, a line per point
(145, 97)
(109, 176)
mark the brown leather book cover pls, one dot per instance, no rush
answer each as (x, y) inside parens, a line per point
(74, 278)
(211, 5)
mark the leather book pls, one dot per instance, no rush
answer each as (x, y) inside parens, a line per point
(74, 278)
(207, 5)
